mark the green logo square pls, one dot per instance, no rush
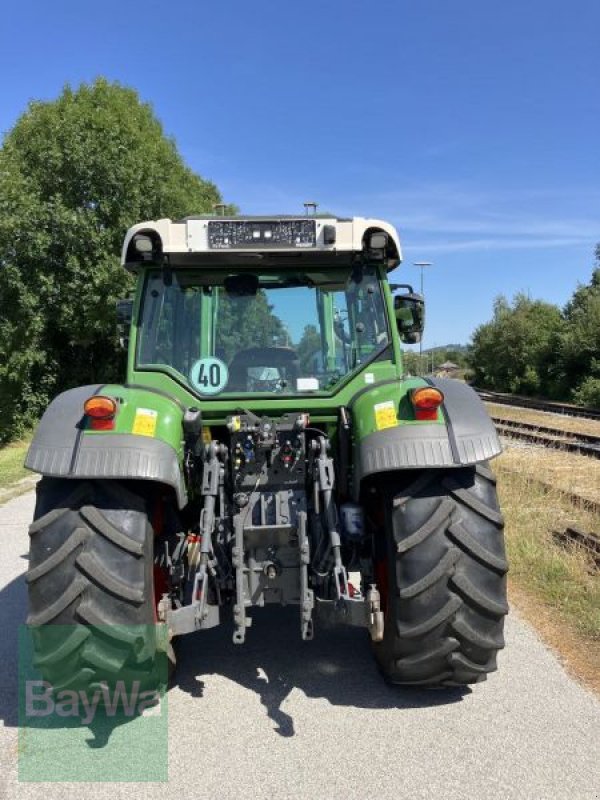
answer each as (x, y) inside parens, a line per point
(89, 708)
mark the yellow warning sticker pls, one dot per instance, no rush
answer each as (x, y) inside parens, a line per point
(206, 435)
(385, 415)
(145, 421)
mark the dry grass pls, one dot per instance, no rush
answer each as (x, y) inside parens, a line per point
(557, 588)
(570, 472)
(545, 419)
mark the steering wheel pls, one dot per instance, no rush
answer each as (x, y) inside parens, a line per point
(277, 357)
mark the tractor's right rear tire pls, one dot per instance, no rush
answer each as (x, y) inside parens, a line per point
(92, 608)
(442, 575)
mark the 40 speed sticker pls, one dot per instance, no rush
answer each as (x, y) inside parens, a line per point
(209, 375)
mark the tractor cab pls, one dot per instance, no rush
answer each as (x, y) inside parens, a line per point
(251, 306)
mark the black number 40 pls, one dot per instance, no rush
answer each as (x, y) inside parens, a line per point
(210, 377)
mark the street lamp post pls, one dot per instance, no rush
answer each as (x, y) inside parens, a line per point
(421, 265)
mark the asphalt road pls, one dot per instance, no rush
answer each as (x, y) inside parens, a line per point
(279, 718)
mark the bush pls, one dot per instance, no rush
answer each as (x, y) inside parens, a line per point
(588, 393)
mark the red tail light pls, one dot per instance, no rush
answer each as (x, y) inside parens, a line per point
(100, 411)
(426, 402)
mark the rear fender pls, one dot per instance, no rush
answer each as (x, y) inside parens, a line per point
(63, 445)
(463, 435)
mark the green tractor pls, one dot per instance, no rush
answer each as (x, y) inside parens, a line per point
(266, 447)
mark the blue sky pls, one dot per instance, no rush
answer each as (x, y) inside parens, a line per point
(472, 125)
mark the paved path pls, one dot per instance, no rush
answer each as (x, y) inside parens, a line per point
(282, 719)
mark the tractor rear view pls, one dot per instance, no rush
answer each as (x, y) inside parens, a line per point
(266, 447)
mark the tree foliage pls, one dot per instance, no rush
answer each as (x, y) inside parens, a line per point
(578, 346)
(309, 347)
(533, 347)
(512, 353)
(588, 391)
(75, 173)
(247, 322)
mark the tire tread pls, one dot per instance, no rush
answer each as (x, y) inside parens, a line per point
(447, 579)
(92, 620)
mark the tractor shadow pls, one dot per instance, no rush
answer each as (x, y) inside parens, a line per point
(13, 611)
(337, 665)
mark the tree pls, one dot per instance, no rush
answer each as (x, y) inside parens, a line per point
(75, 173)
(413, 363)
(588, 391)
(578, 347)
(532, 347)
(247, 322)
(309, 347)
(514, 352)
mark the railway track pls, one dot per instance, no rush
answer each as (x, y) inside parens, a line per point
(539, 405)
(570, 442)
(572, 534)
(590, 542)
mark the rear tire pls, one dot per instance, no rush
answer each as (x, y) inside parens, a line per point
(445, 574)
(91, 592)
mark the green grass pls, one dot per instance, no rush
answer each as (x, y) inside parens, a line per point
(11, 462)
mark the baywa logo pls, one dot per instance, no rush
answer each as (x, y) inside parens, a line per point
(42, 700)
(82, 724)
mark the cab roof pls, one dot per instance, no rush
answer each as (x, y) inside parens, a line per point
(319, 240)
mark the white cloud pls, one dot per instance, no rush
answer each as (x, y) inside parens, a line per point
(444, 217)
(461, 218)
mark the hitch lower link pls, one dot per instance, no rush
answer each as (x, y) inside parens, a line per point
(199, 614)
(363, 612)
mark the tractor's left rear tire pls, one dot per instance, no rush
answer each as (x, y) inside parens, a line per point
(92, 606)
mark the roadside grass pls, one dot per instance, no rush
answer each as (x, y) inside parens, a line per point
(11, 462)
(555, 586)
(545, 419)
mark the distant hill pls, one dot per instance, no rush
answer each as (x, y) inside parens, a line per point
(459, 348)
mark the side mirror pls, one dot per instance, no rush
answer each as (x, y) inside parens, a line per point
(410, 315)
(124, 317)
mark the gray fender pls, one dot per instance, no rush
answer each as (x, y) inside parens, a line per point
(468, 437)
(59, 448)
